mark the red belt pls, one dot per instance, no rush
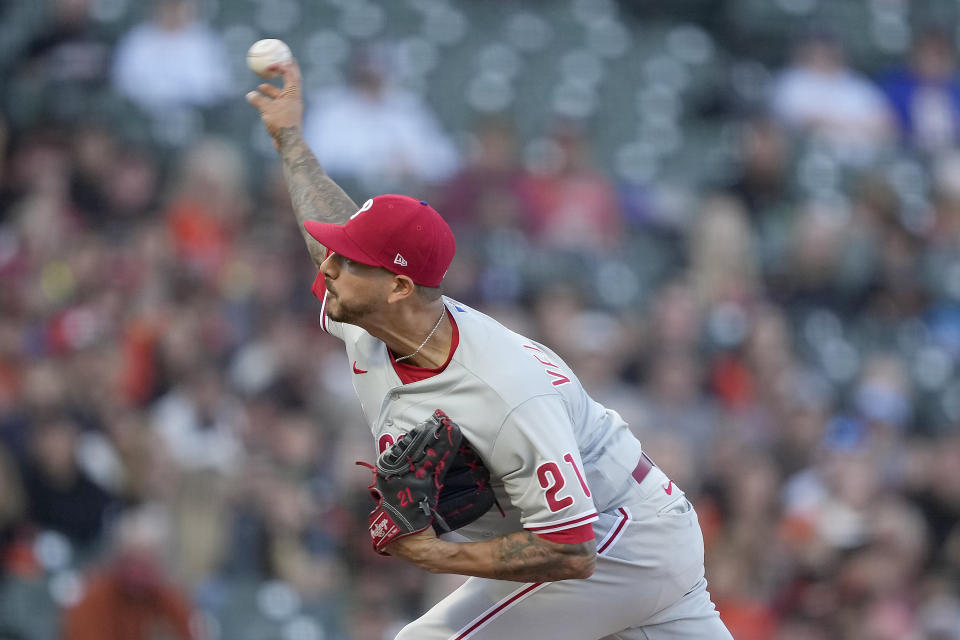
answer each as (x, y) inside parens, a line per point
(643, 468)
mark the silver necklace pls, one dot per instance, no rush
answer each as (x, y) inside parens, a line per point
(432, 331)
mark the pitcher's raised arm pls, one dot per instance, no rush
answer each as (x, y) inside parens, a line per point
(315, 196)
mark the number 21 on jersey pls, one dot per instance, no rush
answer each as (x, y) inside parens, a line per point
(552, 481)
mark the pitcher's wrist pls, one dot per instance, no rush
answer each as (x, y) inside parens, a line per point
(285, 136)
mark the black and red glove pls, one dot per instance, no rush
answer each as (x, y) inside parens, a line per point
(431, 476)
(466, 493)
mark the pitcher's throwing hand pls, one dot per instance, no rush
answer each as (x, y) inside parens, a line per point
(280, 109)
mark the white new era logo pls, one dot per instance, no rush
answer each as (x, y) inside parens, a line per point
(400, 260)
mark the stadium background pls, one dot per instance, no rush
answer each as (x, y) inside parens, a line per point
(743, 242)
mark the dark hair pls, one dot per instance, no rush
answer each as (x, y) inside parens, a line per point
(428, 294)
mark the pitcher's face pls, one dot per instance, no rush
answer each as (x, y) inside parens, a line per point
(355, 291)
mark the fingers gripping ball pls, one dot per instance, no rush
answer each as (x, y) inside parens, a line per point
(408, 478)
(264, 53)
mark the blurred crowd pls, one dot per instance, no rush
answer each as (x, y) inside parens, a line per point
(177, 437)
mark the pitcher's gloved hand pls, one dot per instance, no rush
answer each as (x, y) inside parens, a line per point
(410, 483)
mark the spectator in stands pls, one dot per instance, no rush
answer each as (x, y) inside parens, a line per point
(820, 95)
(297, 548)
(40, 209)
(11, 507)
(172, 60)
(675, 317)
(808, 272)
(932, 479)
(925, 95)
(95, 158)
(70, 52)
(674, 400)
(61, 495)
(485, 193)
(745, 554)
(198, 421)
(568, 203)
(722, 253)
(763, 181)
(884, 401)
(207, 206)
(132, 597)
(377, 135)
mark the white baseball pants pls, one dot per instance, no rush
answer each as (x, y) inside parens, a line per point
(648, 585)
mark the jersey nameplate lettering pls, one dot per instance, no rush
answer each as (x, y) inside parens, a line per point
(551, 369)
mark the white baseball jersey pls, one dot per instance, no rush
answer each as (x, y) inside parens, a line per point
(556, 457)
(562, 466)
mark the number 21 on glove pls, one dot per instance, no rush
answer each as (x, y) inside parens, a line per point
(405, 497)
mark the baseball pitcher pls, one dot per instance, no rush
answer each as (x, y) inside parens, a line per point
(573, 532)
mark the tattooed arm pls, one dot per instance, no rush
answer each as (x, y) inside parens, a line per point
(315, 196)
(521, 556)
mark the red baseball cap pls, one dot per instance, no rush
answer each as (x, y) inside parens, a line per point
(401, 234)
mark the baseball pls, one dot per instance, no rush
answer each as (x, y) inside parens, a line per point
(264, 53)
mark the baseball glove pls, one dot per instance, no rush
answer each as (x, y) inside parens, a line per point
(410, 479)
(466, 493)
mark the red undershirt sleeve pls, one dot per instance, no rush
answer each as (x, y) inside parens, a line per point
(575, 535)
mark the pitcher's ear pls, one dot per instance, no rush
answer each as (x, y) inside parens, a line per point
(403, 287)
